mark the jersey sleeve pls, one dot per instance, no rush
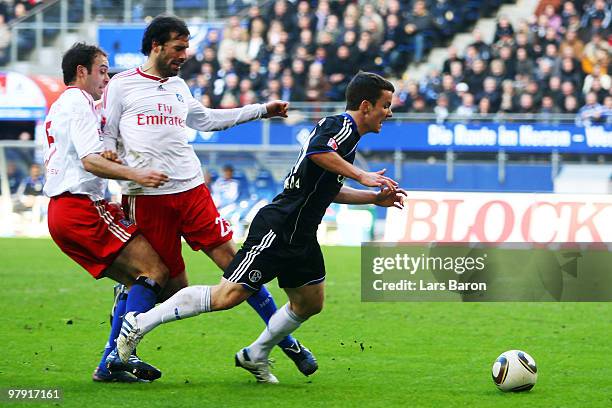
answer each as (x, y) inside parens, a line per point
(111, 115)
(207, 120)
(328, 137)
(84, 131)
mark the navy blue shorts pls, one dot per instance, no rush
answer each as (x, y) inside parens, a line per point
(265, 256)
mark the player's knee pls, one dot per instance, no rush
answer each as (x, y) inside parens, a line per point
(223, 254)
(158, 272)
(162, 272)
(146, 262)
(316, 309)
(307, 310)
(226, 296)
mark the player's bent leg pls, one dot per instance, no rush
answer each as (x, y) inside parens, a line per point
(102, 374)
(223, 254)
(254, 358)
(141, 263)
(306, 301)
(227, 294)
(261, 301)
(138, 258)
(187, 302)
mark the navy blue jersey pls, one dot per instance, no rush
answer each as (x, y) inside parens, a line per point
(296, 213)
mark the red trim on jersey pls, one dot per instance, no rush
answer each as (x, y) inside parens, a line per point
(153, 77)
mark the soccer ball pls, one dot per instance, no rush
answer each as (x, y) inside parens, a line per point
(514, 371)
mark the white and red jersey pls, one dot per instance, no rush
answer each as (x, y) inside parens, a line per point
(145, 119)
(73, 132)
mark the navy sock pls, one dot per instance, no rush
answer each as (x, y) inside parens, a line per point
(263, 303)
(143, 295)
(115, 328)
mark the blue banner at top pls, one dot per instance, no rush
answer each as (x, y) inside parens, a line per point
(515, 137)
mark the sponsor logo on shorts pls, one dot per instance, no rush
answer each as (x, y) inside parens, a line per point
(332, 143)
(126, 223)
(254, 276)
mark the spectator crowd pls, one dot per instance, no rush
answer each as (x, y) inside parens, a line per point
(308, 50)
(558, 61)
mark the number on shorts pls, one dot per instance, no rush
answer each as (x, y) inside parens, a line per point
(225, 226)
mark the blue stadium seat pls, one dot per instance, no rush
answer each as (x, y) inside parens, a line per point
(264, 186)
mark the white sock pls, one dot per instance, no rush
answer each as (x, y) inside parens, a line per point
(281, 324)
(187, 302)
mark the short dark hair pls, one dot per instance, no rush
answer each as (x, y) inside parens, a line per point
(79, 54)
(366, 86)
(160, 30)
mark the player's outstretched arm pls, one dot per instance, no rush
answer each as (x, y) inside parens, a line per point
(207, 120)
(333, 162)
(384, 198)
(276, 109)
(101, 167)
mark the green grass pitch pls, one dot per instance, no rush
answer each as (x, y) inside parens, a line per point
(370, 354)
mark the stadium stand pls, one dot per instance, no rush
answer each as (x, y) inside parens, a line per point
(307, 50)
(555, 62)
(329, 40)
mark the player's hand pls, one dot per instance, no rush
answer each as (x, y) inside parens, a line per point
(377, 179)
(150, 178)
(391, 198)
(276, 109)
(111, 155)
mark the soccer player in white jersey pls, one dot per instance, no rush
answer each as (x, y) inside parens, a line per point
(91, 231)
(146, 111)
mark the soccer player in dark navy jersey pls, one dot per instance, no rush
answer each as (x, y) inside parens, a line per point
(282, 241)
(309, 188)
